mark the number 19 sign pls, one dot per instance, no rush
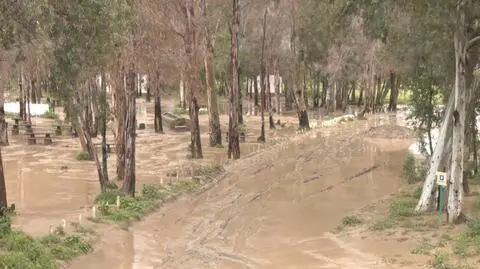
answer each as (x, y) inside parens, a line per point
(442, 179)
(441, 183)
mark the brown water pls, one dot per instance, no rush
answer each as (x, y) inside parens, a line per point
(273, 210)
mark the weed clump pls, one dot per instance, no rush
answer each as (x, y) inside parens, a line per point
(400, 209)
(82, 156)
(134, 208)
(351, 220)
(413, 172)
(21, 251)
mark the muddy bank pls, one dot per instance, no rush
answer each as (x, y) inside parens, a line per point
(273, 210)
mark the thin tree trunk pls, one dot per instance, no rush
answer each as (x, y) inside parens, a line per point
(233, 132)
(255, 91)
(426, 201)
(215, 133)
(392, 105)
(104, 111)
(3, 188)
(190, 51)
(130, 134)
(263, 79)
(3, 124)
(120, 114)
(459, 114)
(158, 106)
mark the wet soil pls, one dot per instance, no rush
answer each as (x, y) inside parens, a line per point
(275, 209)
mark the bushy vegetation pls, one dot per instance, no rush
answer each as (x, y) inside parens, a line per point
(21, 251)
(50, 114)
(413, 172)
(400, 209)
(134, 208)
(82, 156)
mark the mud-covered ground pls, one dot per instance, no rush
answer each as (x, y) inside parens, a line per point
(277, 207)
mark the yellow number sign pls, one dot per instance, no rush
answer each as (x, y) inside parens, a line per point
(442, 179)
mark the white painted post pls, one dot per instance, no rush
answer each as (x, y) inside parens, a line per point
(64, 223)
(118, 201)
(94, 212)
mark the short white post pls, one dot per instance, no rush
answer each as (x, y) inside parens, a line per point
(64, 223)
(118, 201)
(94, 212)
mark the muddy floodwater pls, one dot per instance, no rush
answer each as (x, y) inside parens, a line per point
(273, 210)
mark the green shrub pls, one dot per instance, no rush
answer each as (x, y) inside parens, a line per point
(50, 114)
(351, 220)
(82, 156)
(178, 110)
(413, 172)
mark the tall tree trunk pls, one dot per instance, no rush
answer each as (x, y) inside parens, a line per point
(3, 188)
(426, 201)
(263, 79)
(270, 105)
(104, 118)
(22, 97)
(130, 134)
(240, 95)
(276, 85)
(215, 133)
(455, 194)
(233, 132)
(120, 114)
(148, 97)
(158, 106)
(255, 91)
(190, 51)
(392, 105)
(183, 103)
(3, 126)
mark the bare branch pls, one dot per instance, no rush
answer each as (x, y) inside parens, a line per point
(472, 42)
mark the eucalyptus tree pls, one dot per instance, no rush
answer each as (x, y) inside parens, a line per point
(85, 35)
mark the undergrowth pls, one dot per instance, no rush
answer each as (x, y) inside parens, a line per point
(412, 171)
(149, 198)
(21, 251)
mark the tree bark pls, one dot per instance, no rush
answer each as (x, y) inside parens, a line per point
(190, 52)
(3, 188)
(392, 105)
(104, 114)
(120, 114)
(426, 200)
(130, 134)
(263, 80)
(215, 133)
(233, 132)
(158, 106)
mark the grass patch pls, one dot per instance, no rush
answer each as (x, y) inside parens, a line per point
(50, 114)
(351, 220)
(178, 110)
(424, 247)
(400, 209)
(21, 251)
(135, 208)
(82, 156)
(440, 261)
(469, 242)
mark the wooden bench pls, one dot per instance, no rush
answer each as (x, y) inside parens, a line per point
(32, 138)
(175, 123)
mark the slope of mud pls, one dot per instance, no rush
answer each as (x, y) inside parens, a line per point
(273, 210)
(391, 132)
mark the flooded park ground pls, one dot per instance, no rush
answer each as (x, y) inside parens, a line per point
(279, 206)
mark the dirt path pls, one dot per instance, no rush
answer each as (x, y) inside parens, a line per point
(273, 210)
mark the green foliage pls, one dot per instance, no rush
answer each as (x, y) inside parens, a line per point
(412, 172)
(82, 156)
(178, 110)
(134, 208)
(21, 251)
(400, 208)
(440, 261)
(351, 220)
(50, 114)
